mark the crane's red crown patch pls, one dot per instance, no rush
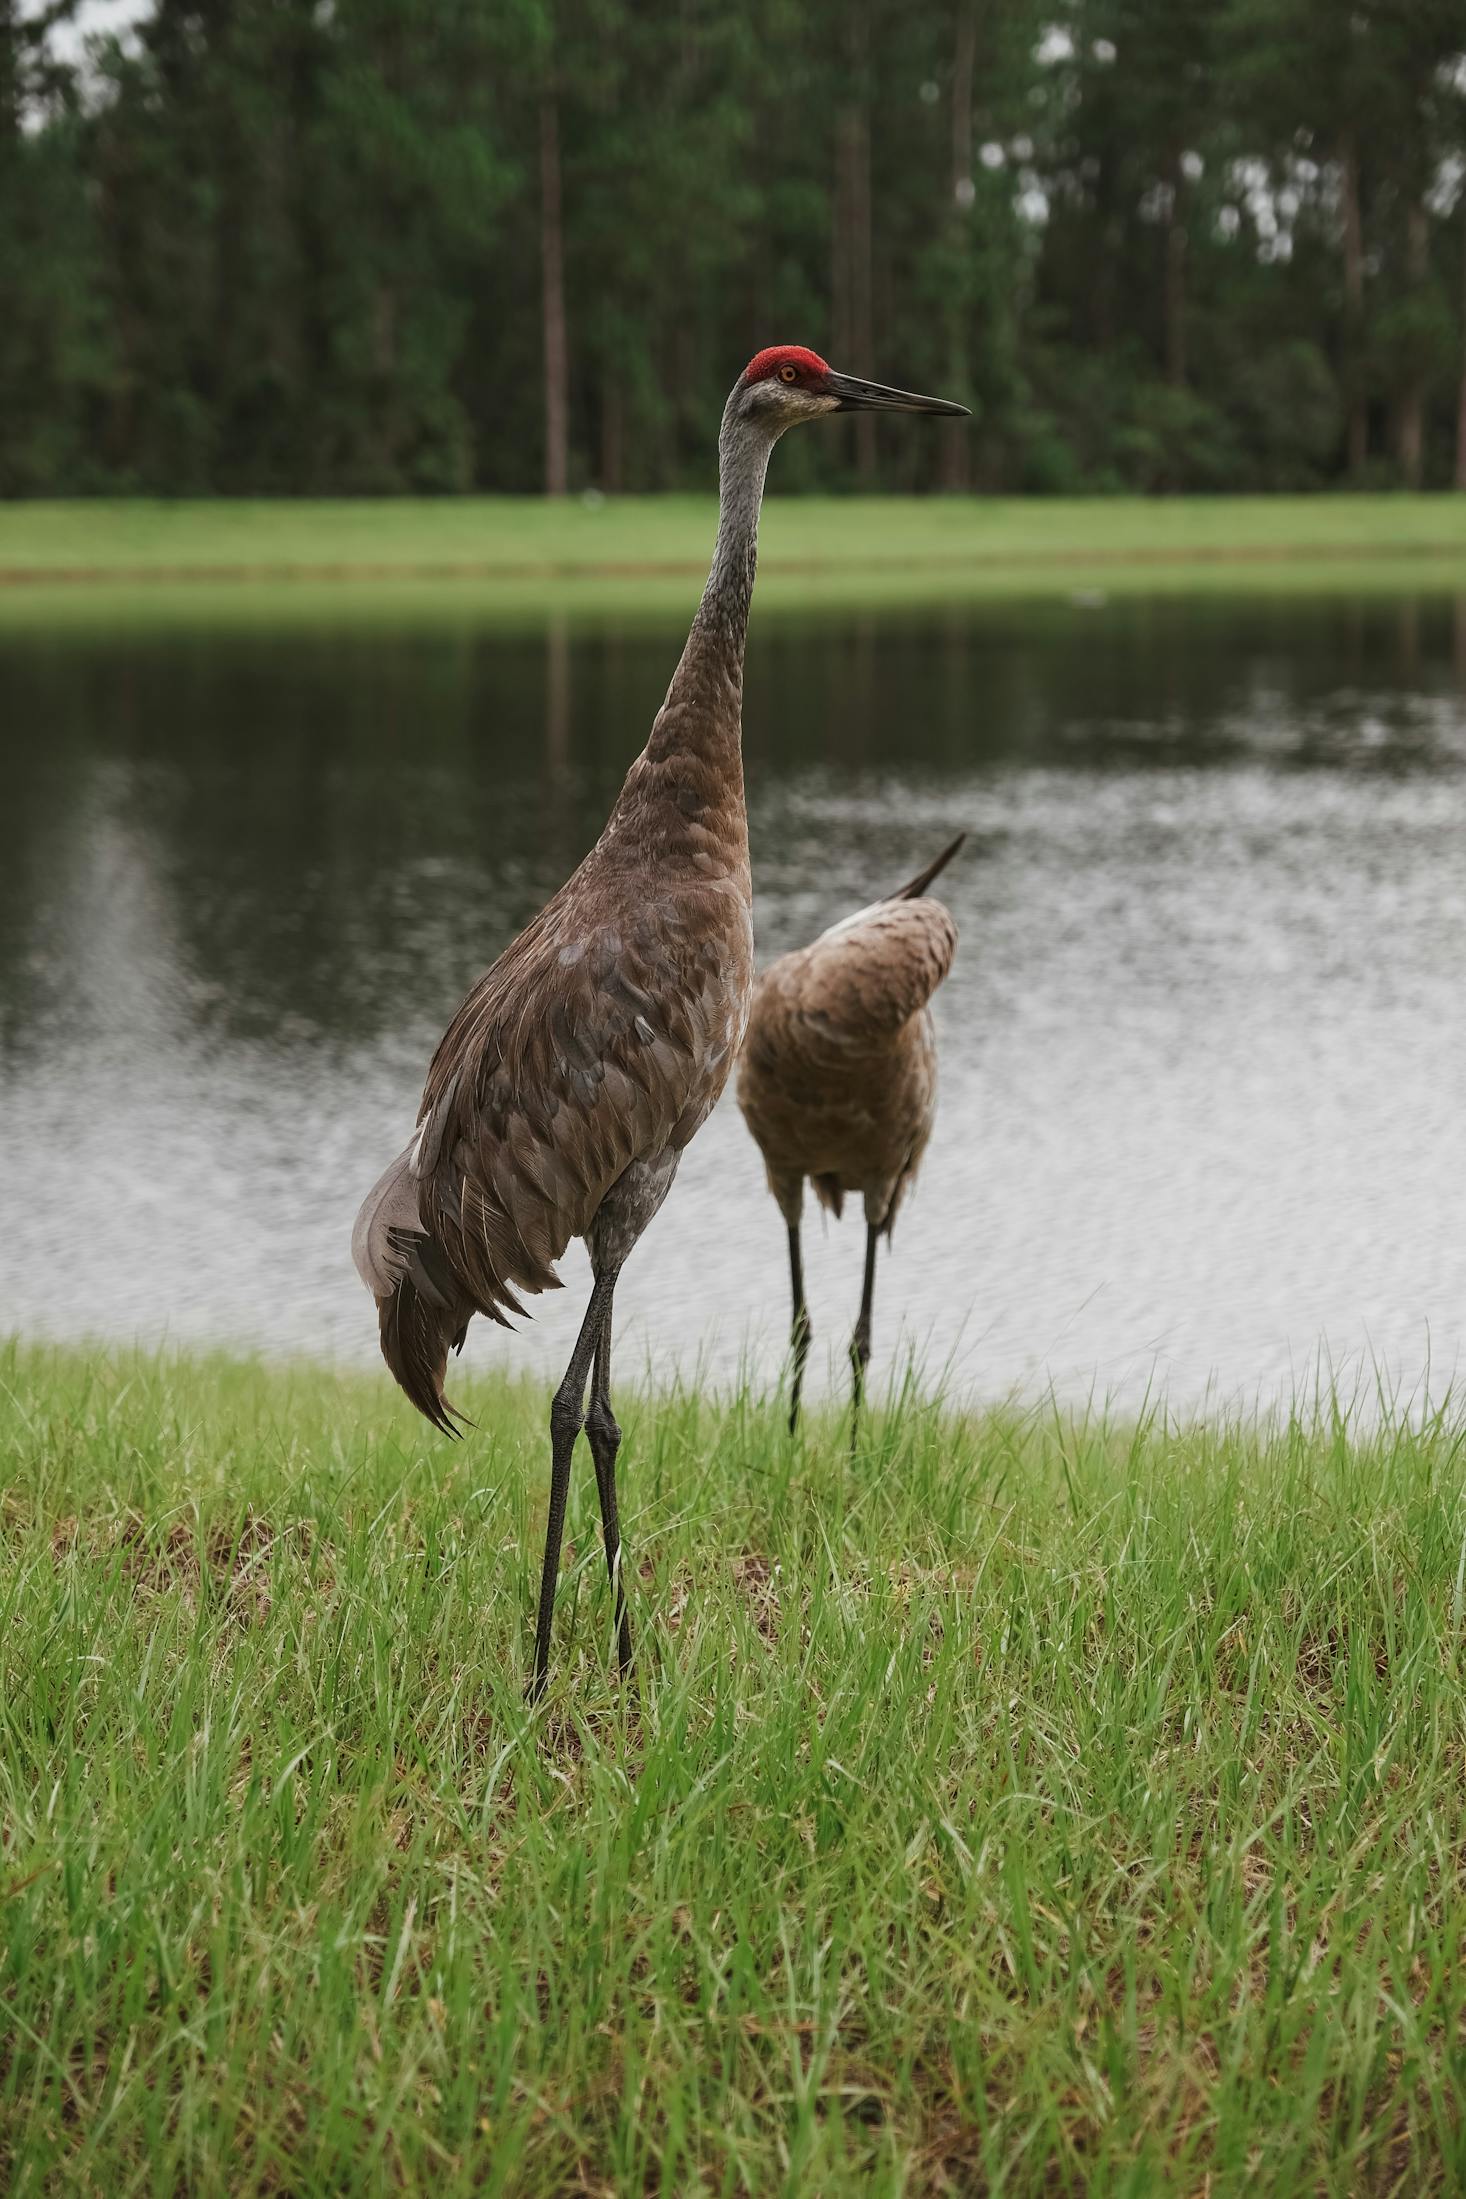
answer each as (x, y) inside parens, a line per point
(764, 363)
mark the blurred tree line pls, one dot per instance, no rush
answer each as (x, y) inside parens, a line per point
(372, 245)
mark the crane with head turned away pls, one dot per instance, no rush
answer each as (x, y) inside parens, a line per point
(838, 1079)
(566, 1087)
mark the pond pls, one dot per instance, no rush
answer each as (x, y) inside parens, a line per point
(1203, 1050)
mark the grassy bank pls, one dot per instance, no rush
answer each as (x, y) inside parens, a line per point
(1022, 1805)
(514, 557)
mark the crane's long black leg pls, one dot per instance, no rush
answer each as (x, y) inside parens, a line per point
(801, 1332)
(860, 1341)
(605, 1442)
(567, 1418)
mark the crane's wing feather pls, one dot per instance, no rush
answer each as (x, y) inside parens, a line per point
(573, 1057)
(602, 1036)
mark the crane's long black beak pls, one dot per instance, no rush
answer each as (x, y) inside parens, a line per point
(858, 396)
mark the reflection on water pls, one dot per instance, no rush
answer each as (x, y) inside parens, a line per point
(1204, 1054)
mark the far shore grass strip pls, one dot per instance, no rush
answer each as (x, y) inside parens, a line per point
(494, 540)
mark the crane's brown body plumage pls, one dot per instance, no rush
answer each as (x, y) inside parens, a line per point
(569, 1083)
(838, 1077)
(581, 1065)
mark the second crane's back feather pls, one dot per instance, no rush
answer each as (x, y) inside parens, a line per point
(860, 981)
(837, 1080)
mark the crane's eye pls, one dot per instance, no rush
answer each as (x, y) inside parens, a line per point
(788, 374)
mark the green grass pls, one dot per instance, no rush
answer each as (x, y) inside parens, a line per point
(532, 535)
(515, 558)
(1028, 1805)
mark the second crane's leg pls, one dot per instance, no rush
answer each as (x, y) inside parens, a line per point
(567, 1418)
(605, 1442)
(860, 1341)
(801, 1332)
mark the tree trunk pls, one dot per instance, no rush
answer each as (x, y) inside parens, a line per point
(964, 55)
(1410, 407)
(956, 449)
(1357, 430)
(11, 100)
(552, 266)
(1410, 436)
(840, 316)
(851, 323)
(1461, 393)
(613, 438)
(1174, 308)
(853, 320)
(863, 300)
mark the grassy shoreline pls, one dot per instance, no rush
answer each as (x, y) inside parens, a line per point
(512, 556)
(1028, 1801)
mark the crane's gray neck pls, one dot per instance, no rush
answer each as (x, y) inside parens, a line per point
(685, 790)
(721, 623)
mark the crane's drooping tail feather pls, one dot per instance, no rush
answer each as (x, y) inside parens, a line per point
(421, 1308)
(416, 1331)
(916, 887)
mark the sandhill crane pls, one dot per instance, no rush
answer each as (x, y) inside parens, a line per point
(838, 1079)
(564, 1090)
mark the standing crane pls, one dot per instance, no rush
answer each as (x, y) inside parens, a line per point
(565, 1089)
(838, 1079)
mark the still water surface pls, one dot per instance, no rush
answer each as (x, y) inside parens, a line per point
(1204, 1049)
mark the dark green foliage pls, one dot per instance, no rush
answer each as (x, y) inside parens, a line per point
(280, 246)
